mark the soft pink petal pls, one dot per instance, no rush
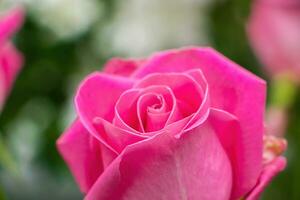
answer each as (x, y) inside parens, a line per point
(154, 118)
(203, 110)
(116, 137)
(280, 2)
(10, 59)
(156, 122)
(127, 104)
(10, 23)
(232, 89)
(228, 130)
(10, 64)
(122, 67)
(187, 92)
(126, 114)
(279, 49)
(96, 98)
(165, 167)
(82, 152)
(266, 176)
(191, 92)
(131, 111)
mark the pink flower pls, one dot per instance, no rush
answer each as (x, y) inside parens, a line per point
(182, 124)
(10, 59)
(274, 32)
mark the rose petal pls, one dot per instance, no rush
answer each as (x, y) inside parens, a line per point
(227, 128)
(115, 137)
(154, 118)
(10, 58)
(281, 3)
(266, 176)
(128, 112)
(168, 168)
(83, 154)
(232, 89)
(279, 50)
(203, 110)
(122, 67)
(10, 64)
(96, 98)
(187, 92)
(10, 23)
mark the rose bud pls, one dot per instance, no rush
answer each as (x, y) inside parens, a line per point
(274, 33)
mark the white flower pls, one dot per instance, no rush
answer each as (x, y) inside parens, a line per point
(65, 18)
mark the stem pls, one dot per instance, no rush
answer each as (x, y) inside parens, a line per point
(283, 92)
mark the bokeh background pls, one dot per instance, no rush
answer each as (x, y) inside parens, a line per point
(64, 40)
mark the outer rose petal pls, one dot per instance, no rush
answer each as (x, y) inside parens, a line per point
(266, 176)
(10, 58)
(96, 98)
(122, 67)
(10, 23)
(232, 89)
(228, 130)
(165, 167)
(83, 154)
(10, 64)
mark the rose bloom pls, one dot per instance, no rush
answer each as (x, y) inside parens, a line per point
(181, 124)
(10, 58)
(274, 33)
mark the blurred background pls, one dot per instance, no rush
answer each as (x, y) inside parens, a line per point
(64, 40)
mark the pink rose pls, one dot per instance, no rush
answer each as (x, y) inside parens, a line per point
(10, 58)
(274, 33)
(182, 124)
